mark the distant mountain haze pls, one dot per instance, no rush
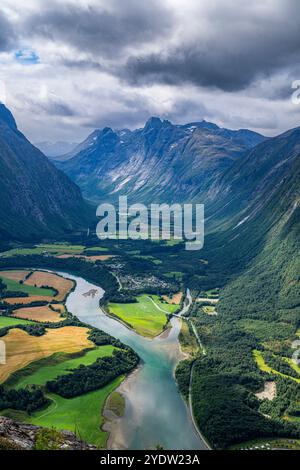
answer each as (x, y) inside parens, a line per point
(56, 149)
(37, 200)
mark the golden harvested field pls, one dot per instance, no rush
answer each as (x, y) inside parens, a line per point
(22, 349)
(59, 308)
(175, 299)
(41, 278)
(15, 275)
(26, 300)
(43, 314)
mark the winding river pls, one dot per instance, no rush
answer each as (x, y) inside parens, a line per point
(155, 412)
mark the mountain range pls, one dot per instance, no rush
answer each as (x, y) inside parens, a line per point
(250, 186)
(249, 183)
(161, 162)
(37, 199)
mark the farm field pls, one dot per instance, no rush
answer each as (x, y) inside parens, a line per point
(42, 278)
(96, 248)
(59, 308)
(148, 316)
(7, 321)
(59, 364)
(15, 275)
(26, 288)
(23, 349)
(175, 299)
(26, 300)
(80, 414)
(40, 314)
(61, 247)
(42, 248)
(21, 252)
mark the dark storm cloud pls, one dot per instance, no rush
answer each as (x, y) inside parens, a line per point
(239, 46)
(102, 30)
(7, 34)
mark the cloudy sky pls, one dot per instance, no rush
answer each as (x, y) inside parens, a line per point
(71, 66)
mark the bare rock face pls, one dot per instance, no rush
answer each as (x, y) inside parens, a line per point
(19, 436)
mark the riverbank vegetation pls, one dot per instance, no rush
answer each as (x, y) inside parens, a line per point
(187, 339)
(115, 404)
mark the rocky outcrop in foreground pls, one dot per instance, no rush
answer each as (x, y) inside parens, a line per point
(19, 436)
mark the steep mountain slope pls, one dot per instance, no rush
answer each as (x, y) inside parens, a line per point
(37, 200)
(253, 253)
(254, 179)
(160, 162)
(255, 215)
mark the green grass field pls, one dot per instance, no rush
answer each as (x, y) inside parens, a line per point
(21, 251)
(95, 248)
(30, 290)
(293, 365)
(54, 248)
(59, 365)
(147, 317)
(260, 361)
(82, 415)
(60, 247)
(7, 321)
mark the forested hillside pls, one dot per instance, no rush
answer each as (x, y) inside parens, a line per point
(258, 252)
